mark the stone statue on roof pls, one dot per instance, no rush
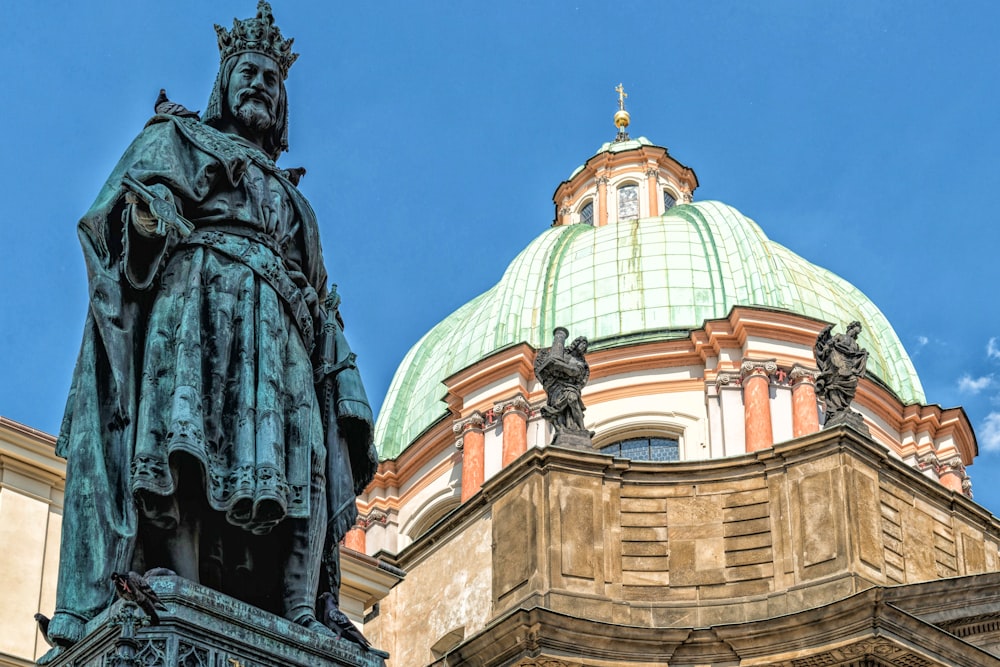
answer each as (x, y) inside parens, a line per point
(563, 371)
(841, 363)
(217, 425)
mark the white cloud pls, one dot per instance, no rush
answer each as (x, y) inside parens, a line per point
(993, 349)
(969, 385)
(989, 432)
(923, 340)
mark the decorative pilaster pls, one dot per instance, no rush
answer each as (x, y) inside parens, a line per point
(602, 201)
(565, 212)
(652, 188)
(472, 441)
(514, 414)
(805, 411)
(756, 382)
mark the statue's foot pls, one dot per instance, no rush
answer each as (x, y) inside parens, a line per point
(310, 622)
(65, 629)
(52, 654)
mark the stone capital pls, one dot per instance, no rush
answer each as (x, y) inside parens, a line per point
(803, 375)
(373, 517)
(474, 422)
(726, 380)
(952, 464)
(516, 404)
(928, 462)
(602, 180)
(758, 367)
(652, 171)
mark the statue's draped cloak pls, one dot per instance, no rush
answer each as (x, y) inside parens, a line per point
(190, 354)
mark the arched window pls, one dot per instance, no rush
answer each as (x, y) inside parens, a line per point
(628, 202)
(587, 214)
(669, 201)
(645, 448)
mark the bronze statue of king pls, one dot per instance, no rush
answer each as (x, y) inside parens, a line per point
(216, 425)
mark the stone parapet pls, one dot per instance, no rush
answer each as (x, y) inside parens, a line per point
(694, 544)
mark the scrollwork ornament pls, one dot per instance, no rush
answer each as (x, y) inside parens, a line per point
(762, 367)
(802, 375)
(516, 404)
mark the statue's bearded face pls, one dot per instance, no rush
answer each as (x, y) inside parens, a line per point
(253, 91)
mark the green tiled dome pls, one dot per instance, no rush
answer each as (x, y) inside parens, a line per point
(649, 279)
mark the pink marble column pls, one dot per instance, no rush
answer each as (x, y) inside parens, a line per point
(472, 442)
(355, 539)
(756, 384)
(514, 413)
(805, 414)
(653, 188)
(602, 201)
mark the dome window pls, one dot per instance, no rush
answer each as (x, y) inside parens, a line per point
(587, 214)
(628, 202)
(669, 201)
(650, 448)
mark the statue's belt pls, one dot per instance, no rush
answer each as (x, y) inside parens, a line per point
(260, 254)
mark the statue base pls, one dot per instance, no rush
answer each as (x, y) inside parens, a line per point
(204, 628)
(847, 418)
(574, 440)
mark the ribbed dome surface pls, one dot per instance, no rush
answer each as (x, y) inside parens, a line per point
(658, 277)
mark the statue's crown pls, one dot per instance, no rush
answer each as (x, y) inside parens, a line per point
(259, 35)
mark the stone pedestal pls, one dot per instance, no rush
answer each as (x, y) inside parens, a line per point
(574, 440)
(848, 418)
(203, 628)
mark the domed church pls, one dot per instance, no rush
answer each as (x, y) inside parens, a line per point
(713, 521)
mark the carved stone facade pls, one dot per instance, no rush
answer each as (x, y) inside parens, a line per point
(818, 551)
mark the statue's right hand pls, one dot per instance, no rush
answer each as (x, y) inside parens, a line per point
(144, 221)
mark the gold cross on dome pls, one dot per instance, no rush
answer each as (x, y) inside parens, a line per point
(621, 96)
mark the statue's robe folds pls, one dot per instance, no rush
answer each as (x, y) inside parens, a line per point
(842, 364)
(194, 390)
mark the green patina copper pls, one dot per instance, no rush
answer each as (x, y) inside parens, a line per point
(644, 280)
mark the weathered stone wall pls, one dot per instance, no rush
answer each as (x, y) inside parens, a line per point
(689, 544)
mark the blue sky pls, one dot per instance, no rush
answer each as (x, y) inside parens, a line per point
(862, 135)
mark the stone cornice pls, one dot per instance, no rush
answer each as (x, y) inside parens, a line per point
(31, 453)
(840, 633)
(511, 362)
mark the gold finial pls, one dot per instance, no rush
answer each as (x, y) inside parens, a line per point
(621, 116)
